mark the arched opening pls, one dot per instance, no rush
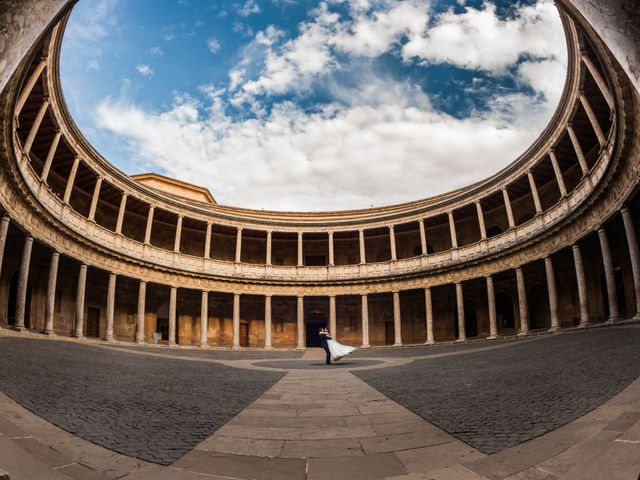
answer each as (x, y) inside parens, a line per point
(494, 231)
(13, 301)
(504, 311)
(313, 322)
(538, 302)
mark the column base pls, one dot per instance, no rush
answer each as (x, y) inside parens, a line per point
(203, 345)
(583, 325)
(236, 347)
(77, 335)
(492, 337)
(172, 344)
(49, 333)
(460, 340)
(613, 319)
(523, 333)
(18, 328)
(554, 330)
(109, 340)
(365, 346)
(397, 344)
(429, 342)
(268, 348)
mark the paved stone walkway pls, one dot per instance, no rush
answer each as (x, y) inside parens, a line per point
(329, 424)
(499, 398)
(152, 409)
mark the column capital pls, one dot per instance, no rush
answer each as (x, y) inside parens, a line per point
(624, 209)
(391, 227)
(268, 295)
(601, 229)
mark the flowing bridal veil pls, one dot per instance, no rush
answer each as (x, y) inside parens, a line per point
(337, 350)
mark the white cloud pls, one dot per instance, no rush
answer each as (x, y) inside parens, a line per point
(381, 141)
(249, 8)
(479, 39)
(213, 44)
(145, 70)
(156, 52)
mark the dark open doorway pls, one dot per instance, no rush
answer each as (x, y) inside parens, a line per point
(313, 323)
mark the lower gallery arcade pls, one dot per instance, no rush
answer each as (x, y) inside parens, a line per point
(588, 283)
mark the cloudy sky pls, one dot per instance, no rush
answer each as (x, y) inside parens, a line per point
(314, 105)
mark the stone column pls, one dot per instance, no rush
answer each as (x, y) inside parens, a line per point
(268, 254)
(142, 296)
(268, 335)
(178, 237)
(173, 300)
(452, 229)
(593, 119)
(609, 275)
(35, 126)
(49, 160)
(51, 294)
(462, 334)
(4, 228)
(239, 245)
(483, 228)
(333, 324)
(147, 233)
(365, 321)
(204, 319)
(111, 304)
(423, 237)
(392, 242)
(78, 330)
(578, 149)
(491, 301)
(534, 192)
(71, 180)
(507, 207)
(207, 241)
(522, 303)
(602, 84)
(300, 250)
(94, 198)
(556, 169)
(397, 320)
(23, 279)
(553, 295)
(363, 256)
(634, 254)
(28, 86)
(581, 282)
(429, 314)
(332, 261)
(300, 321)
(121, 210)
(236, 321)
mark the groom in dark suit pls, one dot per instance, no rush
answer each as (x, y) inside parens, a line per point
(324, 336)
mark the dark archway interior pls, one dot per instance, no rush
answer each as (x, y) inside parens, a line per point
(504, 311)
(313, 323)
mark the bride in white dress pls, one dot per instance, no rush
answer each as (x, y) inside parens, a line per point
(337, 350)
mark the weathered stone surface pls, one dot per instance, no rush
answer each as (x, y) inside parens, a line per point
(146, 407)
(499, 398)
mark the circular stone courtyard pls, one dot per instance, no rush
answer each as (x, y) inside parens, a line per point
(547, 407)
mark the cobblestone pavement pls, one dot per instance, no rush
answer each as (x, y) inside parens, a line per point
(421, 350)
(151, 408)
(499, 398)
(317, 364)
(210, 353)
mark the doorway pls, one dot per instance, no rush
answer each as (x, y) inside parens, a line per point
(93, 322)
(504, 311)
(244, 334)
(313, 323)
(389, 333)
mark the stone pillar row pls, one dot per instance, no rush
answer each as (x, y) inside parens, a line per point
(78, 326)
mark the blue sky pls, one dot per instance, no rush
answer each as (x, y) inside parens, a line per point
(310, 105)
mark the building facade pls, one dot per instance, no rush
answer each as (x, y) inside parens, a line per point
(548, 243)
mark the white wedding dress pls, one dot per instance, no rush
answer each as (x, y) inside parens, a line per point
(337, 350)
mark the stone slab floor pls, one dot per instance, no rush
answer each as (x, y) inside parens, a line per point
(562, 406)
